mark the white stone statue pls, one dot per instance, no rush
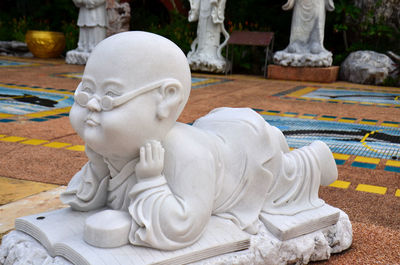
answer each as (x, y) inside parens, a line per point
(205, 54)
(156, 191)
(161, 180)
(306, 46)
(92, 22)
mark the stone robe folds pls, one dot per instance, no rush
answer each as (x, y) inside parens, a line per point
(91, 13)
(308, 21)
(230, 163)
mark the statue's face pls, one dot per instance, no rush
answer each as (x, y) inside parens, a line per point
(114, 119)
(117, 105)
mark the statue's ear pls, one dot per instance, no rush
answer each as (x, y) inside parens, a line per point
(172, 94)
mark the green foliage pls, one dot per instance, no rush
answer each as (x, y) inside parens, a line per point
(71, 32)
(13, 29)
(179, 30)
(361, 30)
(152, 16)
(393, 82)
(144, 14)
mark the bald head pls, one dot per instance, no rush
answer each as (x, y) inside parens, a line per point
(140, 58)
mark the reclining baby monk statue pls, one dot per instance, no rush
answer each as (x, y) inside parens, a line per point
(166, 179)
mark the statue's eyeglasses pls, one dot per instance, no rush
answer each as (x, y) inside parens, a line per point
(108, 102)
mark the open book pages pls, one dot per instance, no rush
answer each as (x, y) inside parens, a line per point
(61, 233)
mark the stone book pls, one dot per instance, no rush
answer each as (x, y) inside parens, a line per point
(61, 233)
(291, 226)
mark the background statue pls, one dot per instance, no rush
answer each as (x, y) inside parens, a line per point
(205, 54)
(307, 34)
(92, 22)
(118, 16)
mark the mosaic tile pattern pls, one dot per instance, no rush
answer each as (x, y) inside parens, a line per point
(198, 82)
(9, 63)
(361, 139)
(361, 96)
(72, 75)
(20, 102)
(344, 138)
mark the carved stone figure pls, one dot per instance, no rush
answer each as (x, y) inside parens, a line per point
(173, 188)
(165, 179)
(307, 34)
(118, 16)
(92, 22)
(205, 54)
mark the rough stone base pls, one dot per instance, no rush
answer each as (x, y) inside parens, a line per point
(19, 249)
(284, 58)
(14, 48)
(206, 64)
(76, 57)
(313, 74)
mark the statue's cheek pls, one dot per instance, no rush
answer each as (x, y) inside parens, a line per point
(77, 117)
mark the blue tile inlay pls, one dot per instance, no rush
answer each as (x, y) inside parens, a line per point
(363, 165)
(38, 119)
(392, 169)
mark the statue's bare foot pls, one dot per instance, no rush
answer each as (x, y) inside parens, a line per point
(293, 48)
(316, 48)
(108, 229)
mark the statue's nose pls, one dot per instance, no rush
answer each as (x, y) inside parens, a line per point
(93, 104)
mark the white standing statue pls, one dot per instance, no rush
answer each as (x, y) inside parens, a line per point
(92, 22)
(306, 46)
(154, 182)
(205, 54)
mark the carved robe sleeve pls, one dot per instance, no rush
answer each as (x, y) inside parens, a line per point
(329, 5)
(217, 12)
(172, 212)
(194, 10)
(87, 190)
(289, 5)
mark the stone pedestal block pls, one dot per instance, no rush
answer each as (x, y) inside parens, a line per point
(313, 74)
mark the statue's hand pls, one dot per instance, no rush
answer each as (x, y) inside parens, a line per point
(193, 15)
(151, 161)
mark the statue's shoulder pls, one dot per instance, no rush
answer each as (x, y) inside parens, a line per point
(184, 139)
(246, 117)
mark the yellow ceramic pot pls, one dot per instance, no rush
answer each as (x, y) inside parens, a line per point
(45, 44)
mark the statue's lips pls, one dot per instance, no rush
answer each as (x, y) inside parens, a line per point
(92, 122)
